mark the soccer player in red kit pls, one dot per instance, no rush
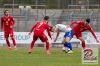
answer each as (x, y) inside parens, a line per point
(38, 30)
(7, 22)
(81, 26)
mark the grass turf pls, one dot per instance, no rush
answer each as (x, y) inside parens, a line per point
(39, 58)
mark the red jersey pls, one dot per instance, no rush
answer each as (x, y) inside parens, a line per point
(80, 27)
(40, 27)
(7, 22)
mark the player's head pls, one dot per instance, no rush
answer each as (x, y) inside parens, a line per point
(52, 28)
(46, 18)
(6, 12)
(87, 21)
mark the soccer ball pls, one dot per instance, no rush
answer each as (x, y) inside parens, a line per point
(67, 49)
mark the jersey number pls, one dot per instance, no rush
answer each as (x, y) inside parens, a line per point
(40, 25)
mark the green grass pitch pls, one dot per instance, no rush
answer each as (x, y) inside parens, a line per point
(38, 57)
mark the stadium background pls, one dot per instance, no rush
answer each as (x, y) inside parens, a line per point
(60, 11)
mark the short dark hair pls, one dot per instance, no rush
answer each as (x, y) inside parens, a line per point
(46, 17)
(87, 20)
(51, 28)
(5, 11)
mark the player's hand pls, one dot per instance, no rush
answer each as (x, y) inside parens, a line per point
(50, 37)
(55, 40)
(1, 29)
(97, 40)
(11, 26)
(29, 33)
(63, 42)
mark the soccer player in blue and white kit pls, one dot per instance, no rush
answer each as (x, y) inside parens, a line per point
(67, 37)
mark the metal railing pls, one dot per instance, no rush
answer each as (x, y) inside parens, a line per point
(71, 16)
(25, 5)
(25, 11)
(52, 17)
(86, 7)
(91, 19)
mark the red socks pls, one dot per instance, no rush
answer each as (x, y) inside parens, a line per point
(13, 41)
(32, 44)
(47, 45)
(7, 41)
(83, 44)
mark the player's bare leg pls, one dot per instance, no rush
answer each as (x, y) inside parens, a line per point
(63, 41)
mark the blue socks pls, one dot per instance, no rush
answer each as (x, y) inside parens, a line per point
(68, 44)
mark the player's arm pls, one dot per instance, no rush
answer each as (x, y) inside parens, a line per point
(32, 28)
(91, 30)
(72, 23)
(13, 22)
(48, 30)
(58, 32)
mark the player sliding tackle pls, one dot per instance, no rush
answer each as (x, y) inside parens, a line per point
(68, 35)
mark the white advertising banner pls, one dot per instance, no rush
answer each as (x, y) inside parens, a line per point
(24, 38)
(90, 38)
(20, 37)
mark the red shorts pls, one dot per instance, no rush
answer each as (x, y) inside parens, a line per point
(78, 35)
(42, 37)
(6, 34)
